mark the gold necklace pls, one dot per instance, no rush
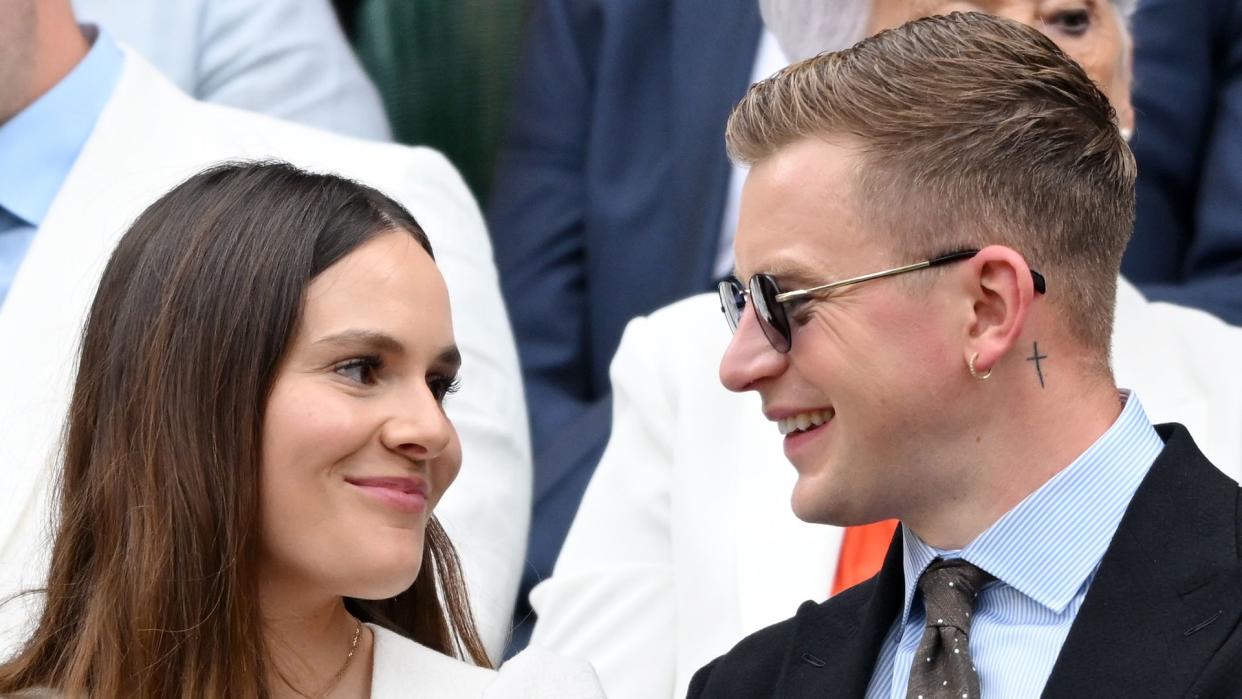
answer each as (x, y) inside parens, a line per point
(353, 648)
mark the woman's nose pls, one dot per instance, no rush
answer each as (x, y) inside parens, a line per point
(417, 426)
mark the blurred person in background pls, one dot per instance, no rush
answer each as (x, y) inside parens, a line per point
(686, 525)
(248, 500)
(1053, 541)
(609, 200)
(90, 134)
(284, 58)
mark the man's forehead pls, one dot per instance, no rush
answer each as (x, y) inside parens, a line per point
(790, 270)
(797, 208)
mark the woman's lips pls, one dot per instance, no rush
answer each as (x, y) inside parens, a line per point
(403, 494)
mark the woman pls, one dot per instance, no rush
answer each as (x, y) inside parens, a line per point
(254, 449)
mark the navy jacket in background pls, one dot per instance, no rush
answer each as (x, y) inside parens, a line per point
(1187, 245)
(606, 205)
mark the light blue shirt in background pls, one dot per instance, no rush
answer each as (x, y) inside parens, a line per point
(1044, 554)
(39, 145)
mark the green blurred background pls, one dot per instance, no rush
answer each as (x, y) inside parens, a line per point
(444, 69)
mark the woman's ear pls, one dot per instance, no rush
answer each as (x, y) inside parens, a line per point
(1001, 291)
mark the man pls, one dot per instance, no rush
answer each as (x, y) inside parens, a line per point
(663, 568)
(930, 237)
(89, 135)
(610, 203)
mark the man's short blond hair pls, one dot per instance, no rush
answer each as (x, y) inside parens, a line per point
(973, 131)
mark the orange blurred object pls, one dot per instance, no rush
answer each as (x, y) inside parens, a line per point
(862, 553)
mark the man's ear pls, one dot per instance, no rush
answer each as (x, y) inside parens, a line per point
(1001, 291)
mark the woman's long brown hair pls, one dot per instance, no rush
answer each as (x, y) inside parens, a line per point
(152, 590)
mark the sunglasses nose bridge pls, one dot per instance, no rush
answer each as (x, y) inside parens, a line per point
(768, 313)
(732, 299)
(750, 358)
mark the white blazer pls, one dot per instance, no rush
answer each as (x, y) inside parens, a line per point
(685, 541)
(149, 137)
(403, 668)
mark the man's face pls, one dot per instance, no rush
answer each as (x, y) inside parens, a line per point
(878, 357)
(1089, 31)
(17, 43)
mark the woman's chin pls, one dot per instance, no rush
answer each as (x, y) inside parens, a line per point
(385, 575)
(382, 584)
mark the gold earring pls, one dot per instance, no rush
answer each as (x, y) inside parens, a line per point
(971, 365)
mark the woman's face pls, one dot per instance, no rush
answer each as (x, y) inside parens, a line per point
(356, 447)
(1089, 31)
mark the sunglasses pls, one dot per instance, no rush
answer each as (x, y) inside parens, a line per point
(770, 301)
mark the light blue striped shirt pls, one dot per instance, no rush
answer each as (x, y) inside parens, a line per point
(39, 145)
(1044, 554)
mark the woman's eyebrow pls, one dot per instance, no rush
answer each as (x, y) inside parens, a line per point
(369, 338)
(449, 357)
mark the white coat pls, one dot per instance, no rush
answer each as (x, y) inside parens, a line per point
(403, 668)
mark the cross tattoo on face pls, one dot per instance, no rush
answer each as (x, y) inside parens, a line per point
(1035, 357)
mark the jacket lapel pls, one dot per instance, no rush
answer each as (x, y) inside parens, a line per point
(714, 43)
(121, 169)
(46, 307)
(836, 646)
(1167, 593)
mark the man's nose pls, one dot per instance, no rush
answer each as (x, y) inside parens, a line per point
(749, 358)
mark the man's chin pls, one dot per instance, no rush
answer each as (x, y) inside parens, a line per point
(812, 506)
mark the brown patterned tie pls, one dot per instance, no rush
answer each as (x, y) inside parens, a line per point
(942, 667)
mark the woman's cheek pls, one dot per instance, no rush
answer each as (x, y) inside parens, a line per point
(313, 425)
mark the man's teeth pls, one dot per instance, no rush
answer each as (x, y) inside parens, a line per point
(804, 421)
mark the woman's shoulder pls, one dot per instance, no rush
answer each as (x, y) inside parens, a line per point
(536, 672)
(405, 668)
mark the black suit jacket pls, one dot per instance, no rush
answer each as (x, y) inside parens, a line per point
(1160, 620)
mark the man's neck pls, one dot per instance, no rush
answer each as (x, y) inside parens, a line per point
(58, 48)
(1024, 437)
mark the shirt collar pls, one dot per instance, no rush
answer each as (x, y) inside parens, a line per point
(39, 145)
(1050, 543)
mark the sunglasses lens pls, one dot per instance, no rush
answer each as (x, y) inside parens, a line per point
(771, 314)
(732, 302)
